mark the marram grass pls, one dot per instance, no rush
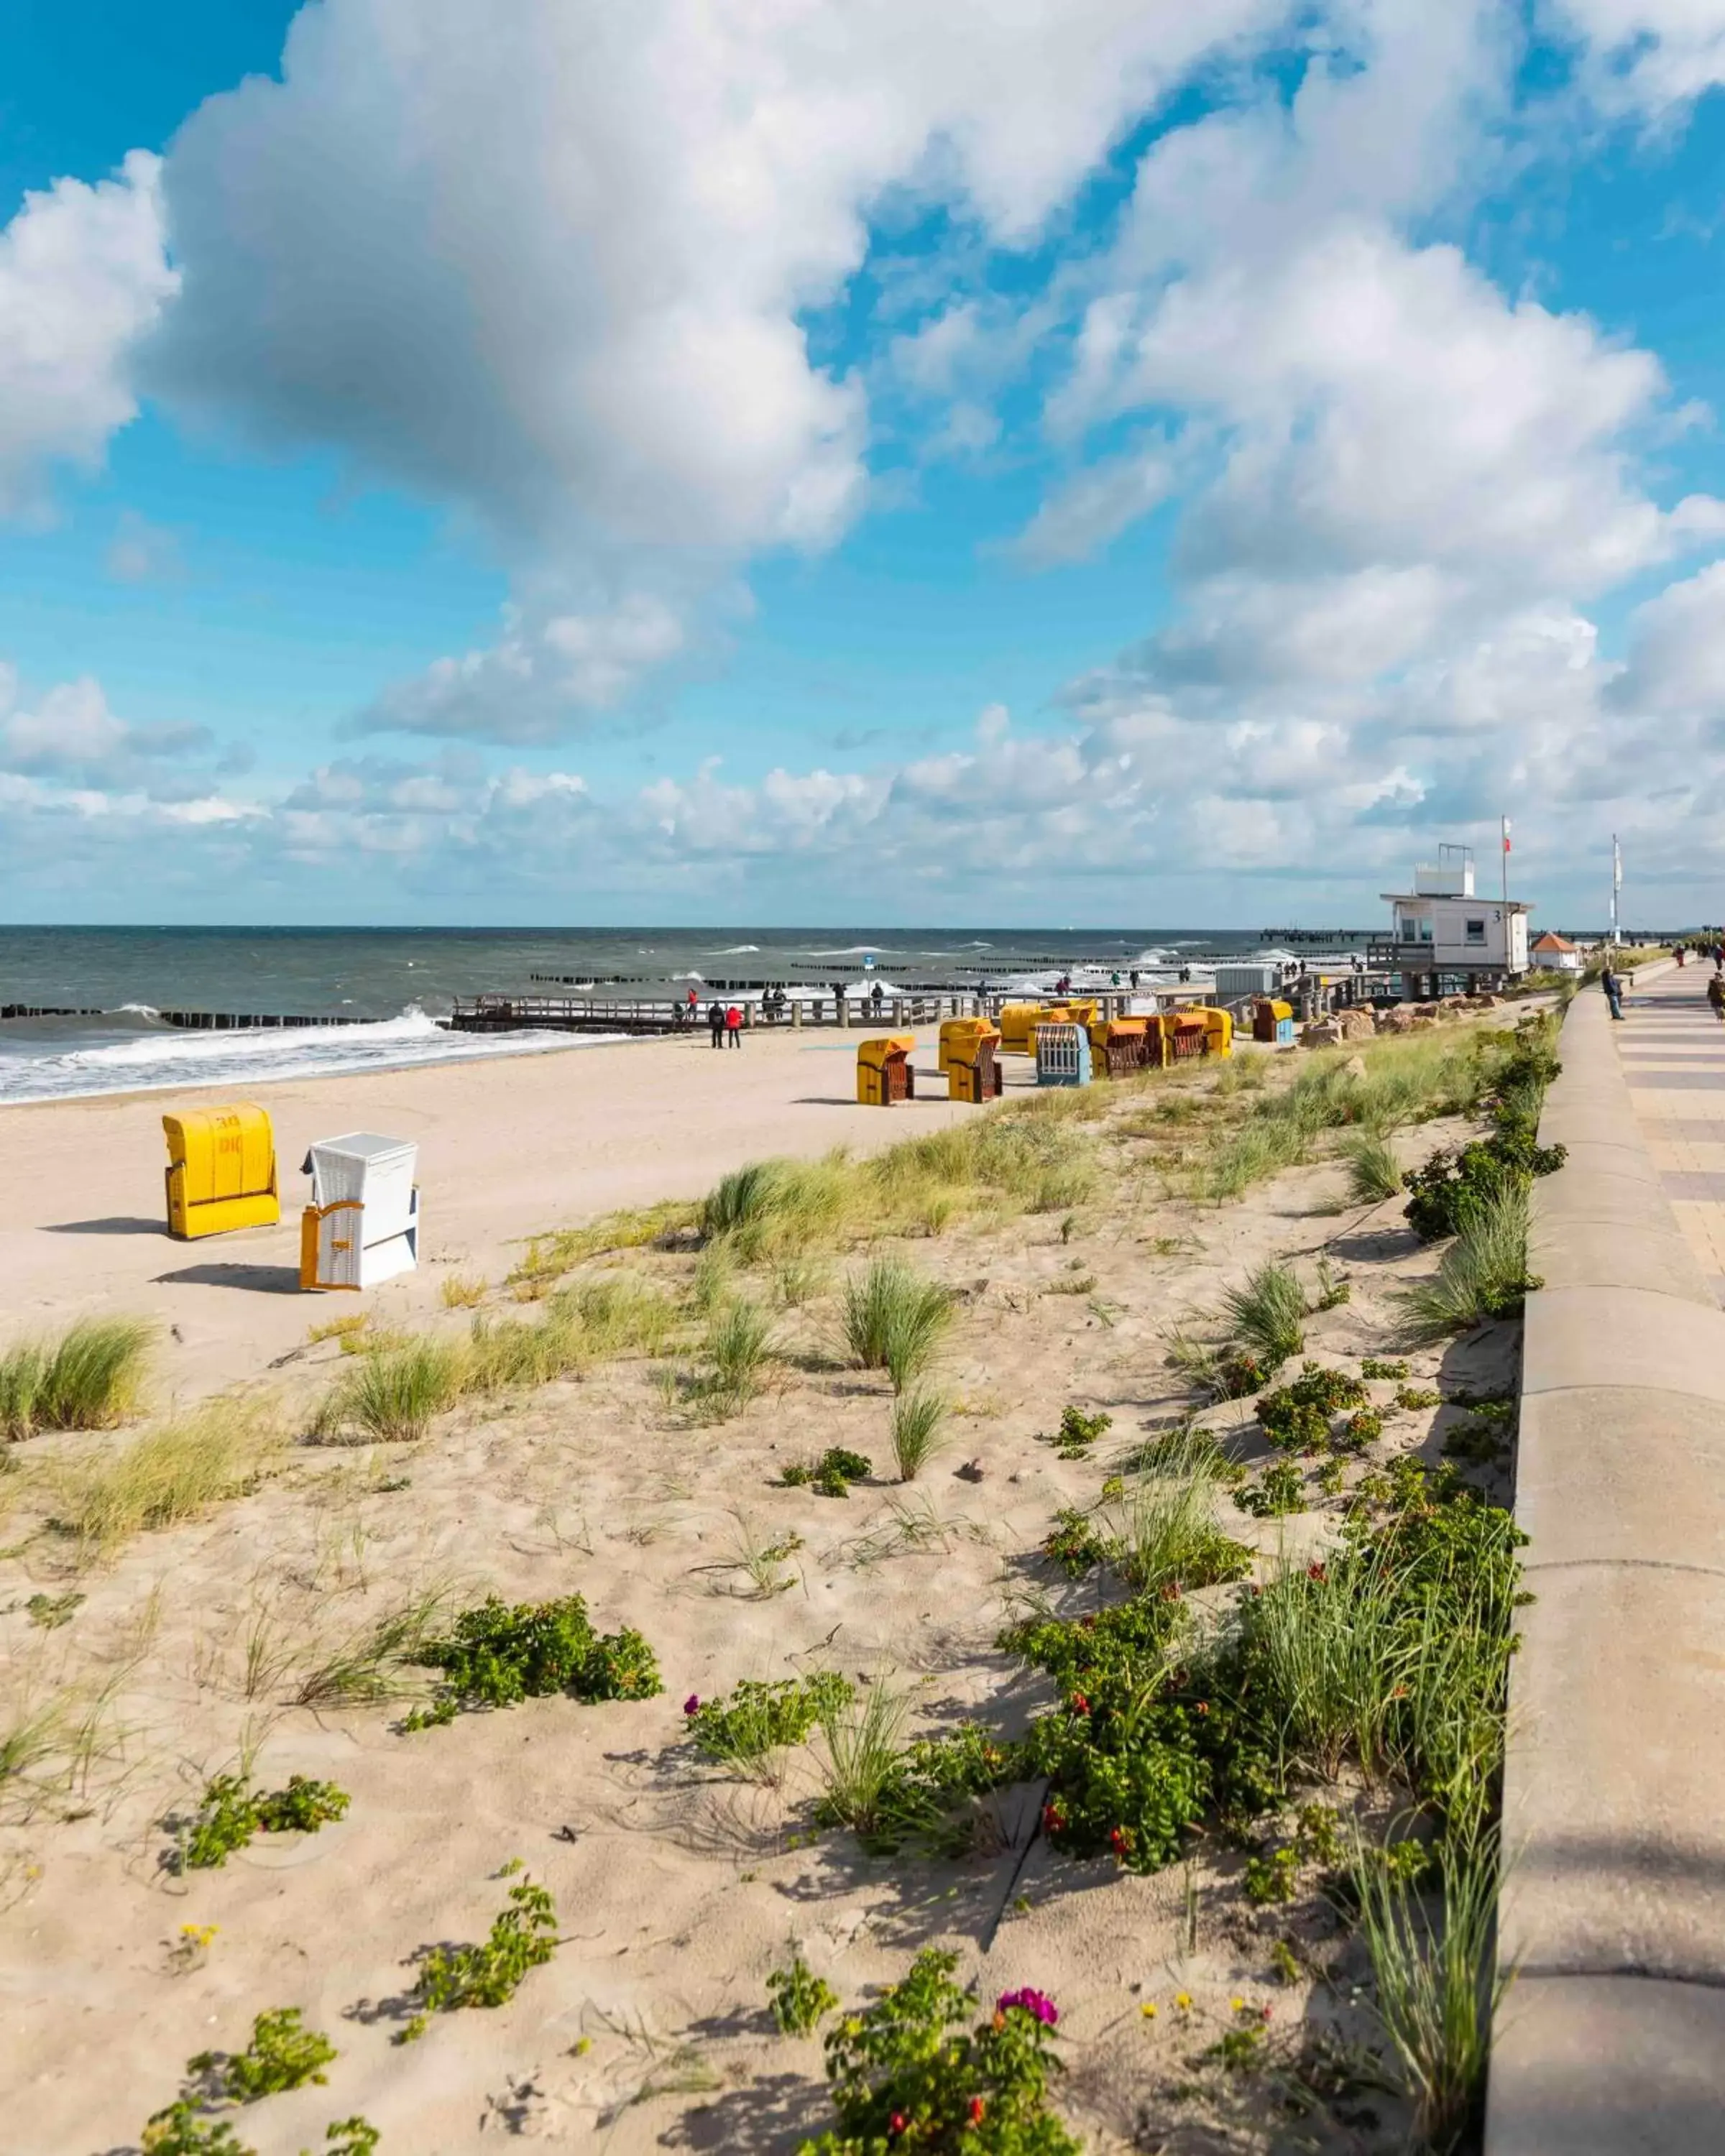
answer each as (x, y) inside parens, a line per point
(87, 1379)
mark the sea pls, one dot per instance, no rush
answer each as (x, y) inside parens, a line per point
(396, 983)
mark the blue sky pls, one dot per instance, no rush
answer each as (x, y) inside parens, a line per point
(1101, 462)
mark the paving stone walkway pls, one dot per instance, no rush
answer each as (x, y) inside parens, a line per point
(1672, 1049)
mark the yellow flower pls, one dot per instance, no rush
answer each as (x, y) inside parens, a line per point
(1182, 1999)
(1148, 2009)
(1238, 2005)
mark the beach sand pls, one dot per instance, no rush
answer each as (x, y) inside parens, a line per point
(507, 1149)
(678, 1886)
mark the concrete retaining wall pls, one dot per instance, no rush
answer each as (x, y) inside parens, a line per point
(1612, 2040)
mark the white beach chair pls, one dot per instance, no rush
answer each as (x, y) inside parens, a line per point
(362, 1224)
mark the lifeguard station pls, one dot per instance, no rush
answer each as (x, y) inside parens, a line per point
(883, 1071)
(221, 1171)
(362, 1224)
(970, 1060)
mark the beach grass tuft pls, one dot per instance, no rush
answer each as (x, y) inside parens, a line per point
(1484, 1273)
(894, 1319)
(1373, 1172)
(918, 1430)
(1267, 1315)
(393, 1397)
(87, 1379)
(173, 1472)
(1437, 1983)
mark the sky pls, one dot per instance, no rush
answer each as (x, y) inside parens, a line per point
(1029, 462)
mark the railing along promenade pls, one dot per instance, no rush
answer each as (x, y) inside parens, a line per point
(1611, 2038)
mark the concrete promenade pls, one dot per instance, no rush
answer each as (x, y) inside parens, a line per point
(1612, 2040)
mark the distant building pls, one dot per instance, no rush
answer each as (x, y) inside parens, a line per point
(1444, 934)
(1556, 954)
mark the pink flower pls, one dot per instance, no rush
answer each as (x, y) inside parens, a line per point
(1032, 2002)
(692, 1704)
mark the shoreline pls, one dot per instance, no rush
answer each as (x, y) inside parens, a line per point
(562, 1139)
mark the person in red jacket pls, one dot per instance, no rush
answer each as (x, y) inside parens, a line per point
(733, 1027)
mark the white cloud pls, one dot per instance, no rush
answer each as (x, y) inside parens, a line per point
(70, 731)
(1097, 505)
(82, 277)
(550, 265)
(1676, 652)
(1648, 55)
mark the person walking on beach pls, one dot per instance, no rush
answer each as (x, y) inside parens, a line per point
(1716, 997)
(1614, 990)
(733, 1027)
(716, 1024)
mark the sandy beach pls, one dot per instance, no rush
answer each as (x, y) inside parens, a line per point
(204, 1648)
(507, 1149)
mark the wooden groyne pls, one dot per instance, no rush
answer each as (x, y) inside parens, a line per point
(247, 1021)
(46, 1010)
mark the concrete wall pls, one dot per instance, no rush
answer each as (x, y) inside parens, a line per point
(1612, 2040)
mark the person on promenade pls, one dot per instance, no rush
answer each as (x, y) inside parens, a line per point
(1614, 990)
(1716, 997)
(733, 1027)
(693, 1006)
(716, 1024)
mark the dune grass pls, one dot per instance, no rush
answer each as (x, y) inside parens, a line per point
(393, 1397)
(1163, 1526)
(372, 1664)
(918, 1430)
(462, 1291)
(1483, 1274)
(894, 1319)
(738, 1349)
(547, 1258)
(173, 1472)
(1437, 1984)
(1267, 1315)
(1373, 1172)
(87, 1379)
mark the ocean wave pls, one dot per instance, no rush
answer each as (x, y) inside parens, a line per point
(733, 950)
(854, 951)
(170, 1057)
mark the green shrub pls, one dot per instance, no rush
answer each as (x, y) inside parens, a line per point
(1077, 1433)
(87, 1379)
(759, 1718)
(1280, 1490)
(1297, 1417)
(1271, 1878)
(179, 2131)
(901, 2076)
(1374, 1366)
(831, 1475)
(523, 1936)
(1074, 1545)
(497, 1655)
(281, 2056)
(230, 1812)
(799, 1999)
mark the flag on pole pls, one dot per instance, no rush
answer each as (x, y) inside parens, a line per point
(1505, 835)
(1616, 866)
